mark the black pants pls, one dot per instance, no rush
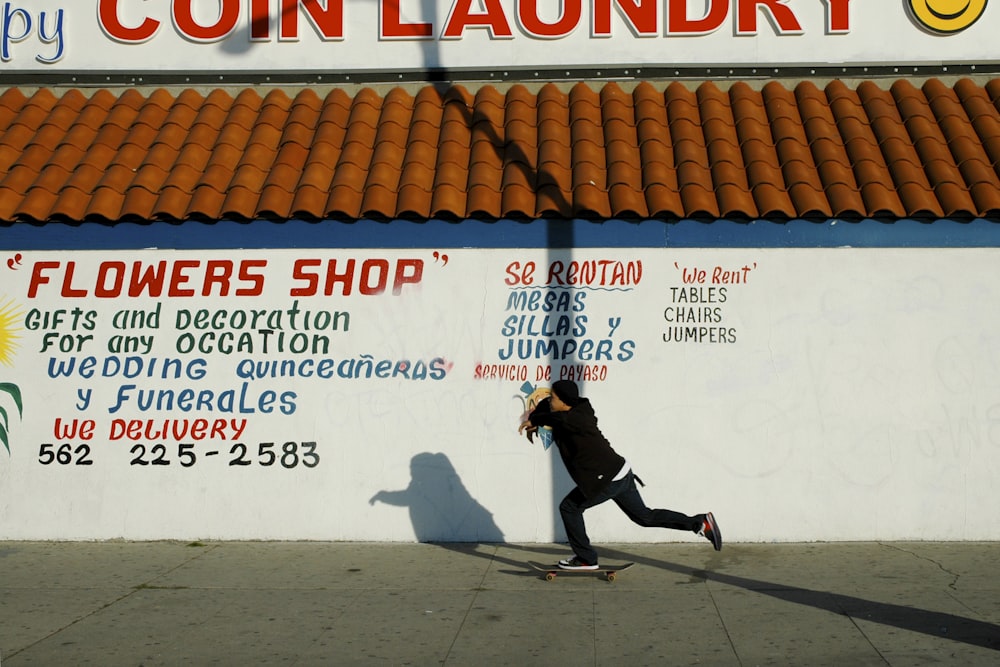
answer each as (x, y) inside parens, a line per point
(626, 496)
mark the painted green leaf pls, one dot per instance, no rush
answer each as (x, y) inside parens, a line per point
(15, 393)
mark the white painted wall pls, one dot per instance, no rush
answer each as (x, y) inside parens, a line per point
(859, 400)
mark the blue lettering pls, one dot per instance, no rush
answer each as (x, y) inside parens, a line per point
(17, 25)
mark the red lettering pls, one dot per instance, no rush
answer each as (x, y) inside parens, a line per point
(527, 11)
(255, 279)
(38, 278)
(391, 24)
(229, 14)
(408, 272)
(371, 280)
(520, 275)
(107, 16)
(378, 267)
(679, 22)
(641, 18)
(178, 279)
(311, 279)
(82, 428)
(260, 20)
(328, 21)
(838, 20)
(345, 278)
(220, 272)
(639, 15)
(784, 18)
(149, 280)
(301, 270)
(461, 17)
(67, 286)
(217, 272)
(117, 269)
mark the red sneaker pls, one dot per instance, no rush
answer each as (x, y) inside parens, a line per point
(710, 531)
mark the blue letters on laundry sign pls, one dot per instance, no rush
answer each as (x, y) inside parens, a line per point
(18, 25)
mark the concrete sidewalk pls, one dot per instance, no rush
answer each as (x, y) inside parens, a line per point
(241, 603)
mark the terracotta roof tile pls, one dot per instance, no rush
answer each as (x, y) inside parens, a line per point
(308, 199)
(53, 176)
(481, 201)
(172, 202)
(763, 171)
(38, 204)
(778, 152)
(553, 202)
(447, 199)
(73, 202)
(206, 201)
(140, 203)
(518, 201)
(342, 201)
(106, 203)
(414, 201)
(275, 197)
(11, 101)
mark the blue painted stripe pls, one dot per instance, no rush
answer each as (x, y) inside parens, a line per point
(226, 234)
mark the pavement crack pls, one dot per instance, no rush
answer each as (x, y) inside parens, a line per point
(201, 550)
(595, 616)
(472, 605)
(861, 631)
(84, 617)
(953, 585)
(96, 610)
(722, 620)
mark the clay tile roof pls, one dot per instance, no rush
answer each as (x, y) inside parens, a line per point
(670, 152)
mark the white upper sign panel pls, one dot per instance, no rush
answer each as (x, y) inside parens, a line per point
(413, 35)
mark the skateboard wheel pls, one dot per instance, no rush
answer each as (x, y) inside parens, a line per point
(549, 576)
(612, 576)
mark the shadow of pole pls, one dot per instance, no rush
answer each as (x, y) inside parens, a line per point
(560, 238)
(937, 624)
(560, 241)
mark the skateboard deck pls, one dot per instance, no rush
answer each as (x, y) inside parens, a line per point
(610, 572)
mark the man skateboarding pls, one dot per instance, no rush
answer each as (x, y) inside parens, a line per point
(600, 474)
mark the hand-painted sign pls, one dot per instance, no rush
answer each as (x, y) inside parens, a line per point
(272, 394)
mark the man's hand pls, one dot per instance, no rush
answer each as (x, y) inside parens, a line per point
(527, 428)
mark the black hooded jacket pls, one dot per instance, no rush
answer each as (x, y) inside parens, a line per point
(586, 453)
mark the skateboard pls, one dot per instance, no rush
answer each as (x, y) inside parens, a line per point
(610, 572)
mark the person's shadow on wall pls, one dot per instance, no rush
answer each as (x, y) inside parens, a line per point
(441, 508)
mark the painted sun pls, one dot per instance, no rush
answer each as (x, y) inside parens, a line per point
(10, 319)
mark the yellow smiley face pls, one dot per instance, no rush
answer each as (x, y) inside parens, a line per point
(947, 16)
